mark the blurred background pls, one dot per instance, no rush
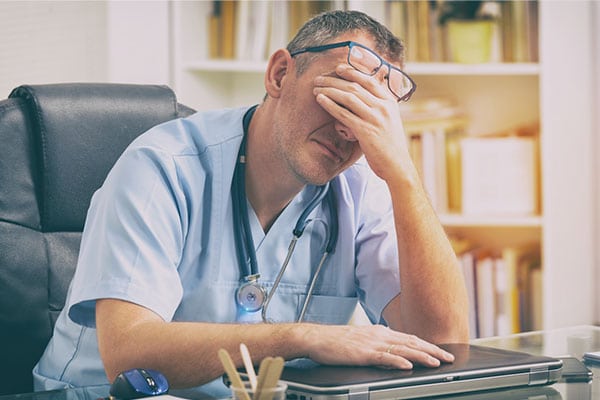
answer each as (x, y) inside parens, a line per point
(503, 127)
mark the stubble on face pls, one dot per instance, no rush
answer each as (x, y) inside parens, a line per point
(317, 156)
(309, 145)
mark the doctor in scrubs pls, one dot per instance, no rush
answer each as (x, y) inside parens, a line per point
(185, 242)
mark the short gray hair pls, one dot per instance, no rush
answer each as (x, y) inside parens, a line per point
(325, 27)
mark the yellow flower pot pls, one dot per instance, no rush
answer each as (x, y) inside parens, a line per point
(470, 42)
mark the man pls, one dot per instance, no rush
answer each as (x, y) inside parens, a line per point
(163, 280)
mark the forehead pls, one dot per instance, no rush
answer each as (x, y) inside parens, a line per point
(358, 37)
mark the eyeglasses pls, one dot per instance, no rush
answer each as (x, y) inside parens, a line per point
(368, 62)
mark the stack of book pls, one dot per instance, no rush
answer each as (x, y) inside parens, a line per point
(504, 289)
(430, 124)
(252, 30)
(493, 175)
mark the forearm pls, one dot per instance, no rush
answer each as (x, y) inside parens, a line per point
(130, 336)
(433, 300)
(187, 352)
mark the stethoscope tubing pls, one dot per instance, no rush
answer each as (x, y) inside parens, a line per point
(243, 235)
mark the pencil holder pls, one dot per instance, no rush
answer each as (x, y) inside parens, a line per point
(277, 392)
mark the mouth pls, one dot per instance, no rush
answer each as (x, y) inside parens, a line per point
(330, 150)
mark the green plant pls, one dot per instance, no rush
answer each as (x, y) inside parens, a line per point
(461, 9)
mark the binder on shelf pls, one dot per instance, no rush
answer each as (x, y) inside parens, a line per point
(499, 176)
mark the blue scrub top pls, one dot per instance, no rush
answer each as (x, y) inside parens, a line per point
(159, 233)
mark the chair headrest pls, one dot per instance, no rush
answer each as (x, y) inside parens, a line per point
(79, 130)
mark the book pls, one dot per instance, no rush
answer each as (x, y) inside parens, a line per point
(412, 32)
(243, 31)
(519, 300)
(519, 31)
(502, 322)
(227, 29)
(486, 293)
(453, 173)
(499, 176)
(423, 31)
(415, 150)
(279, 27)
(259, 28)
(396, 18)
(529, 286)
(214, 34)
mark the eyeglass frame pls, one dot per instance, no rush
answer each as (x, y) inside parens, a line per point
(350, 44)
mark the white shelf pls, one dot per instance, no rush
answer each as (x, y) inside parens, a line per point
(453, 220)
(237, 66)
(450, 69)
(442, 69)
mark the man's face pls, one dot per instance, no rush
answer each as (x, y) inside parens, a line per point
(315, 147)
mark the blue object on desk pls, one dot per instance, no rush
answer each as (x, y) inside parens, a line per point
(138, 382)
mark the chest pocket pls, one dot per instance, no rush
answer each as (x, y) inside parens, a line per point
(335, 310)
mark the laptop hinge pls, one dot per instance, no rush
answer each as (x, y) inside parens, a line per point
(538, 376)
(359, 393)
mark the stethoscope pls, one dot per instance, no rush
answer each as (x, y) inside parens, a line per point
(252, 296)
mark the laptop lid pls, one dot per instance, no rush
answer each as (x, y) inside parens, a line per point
(476, 368)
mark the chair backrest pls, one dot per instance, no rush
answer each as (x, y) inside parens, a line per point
(57, 144)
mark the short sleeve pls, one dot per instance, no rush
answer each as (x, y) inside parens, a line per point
(133, 238)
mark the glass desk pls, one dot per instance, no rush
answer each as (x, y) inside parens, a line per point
(557, 343)
(565, 342)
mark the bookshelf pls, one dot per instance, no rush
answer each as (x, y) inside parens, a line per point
(496, 96)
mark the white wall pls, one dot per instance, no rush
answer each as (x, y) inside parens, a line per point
(51, 41)
(91, 41)
(138, 42)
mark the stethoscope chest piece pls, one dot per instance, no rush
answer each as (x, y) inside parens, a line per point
(251, 295)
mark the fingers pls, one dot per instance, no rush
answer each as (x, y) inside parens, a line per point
(369, 111)
(402, 350)
(361, 104)
(375, 345)
(353, 91)
(408, 355)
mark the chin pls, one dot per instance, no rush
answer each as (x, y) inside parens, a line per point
(319, 173)
(318, 179)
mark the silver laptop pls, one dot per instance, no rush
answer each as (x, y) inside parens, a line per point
(476, 368)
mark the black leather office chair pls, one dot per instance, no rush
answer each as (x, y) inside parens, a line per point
(57, 144)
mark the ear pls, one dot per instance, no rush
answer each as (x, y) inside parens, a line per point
(279, 66)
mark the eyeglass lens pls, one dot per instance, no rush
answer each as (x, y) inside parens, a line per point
(369, 63)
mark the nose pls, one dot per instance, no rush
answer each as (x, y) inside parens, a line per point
(344, 132)
(383, 73)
